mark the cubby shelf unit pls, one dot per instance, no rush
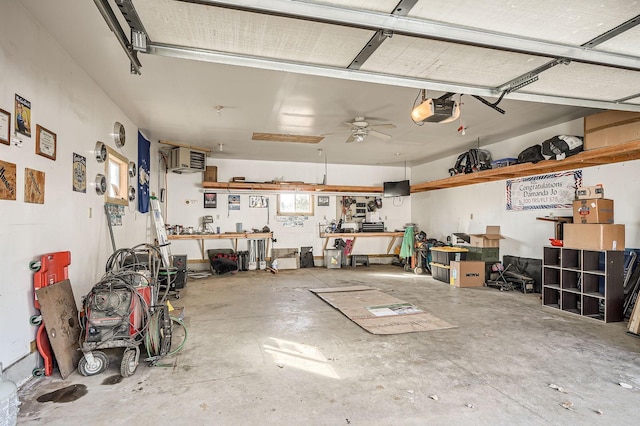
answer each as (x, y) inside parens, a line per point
(589, 283)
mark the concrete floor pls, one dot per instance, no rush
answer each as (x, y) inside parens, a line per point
(262, 349)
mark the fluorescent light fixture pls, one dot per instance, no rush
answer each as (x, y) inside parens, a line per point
(436, 111)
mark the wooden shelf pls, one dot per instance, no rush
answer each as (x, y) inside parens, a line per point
(596, 157)
(306, 187)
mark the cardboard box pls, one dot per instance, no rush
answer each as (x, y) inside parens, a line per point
(594, 210)
(586, 192)
(491, 238)
(591, 236)
(210, 174)
(611, 128)
(467, 273)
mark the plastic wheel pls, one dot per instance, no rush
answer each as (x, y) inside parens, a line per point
(100, 363)
(35, 320)
(407, 267)
(35, 265)
(38, 372)
(129, 362)
(419, 270)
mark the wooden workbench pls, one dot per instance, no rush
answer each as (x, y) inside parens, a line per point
(232, 236)
(354, 235)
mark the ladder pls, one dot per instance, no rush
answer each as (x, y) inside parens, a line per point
(161, 232)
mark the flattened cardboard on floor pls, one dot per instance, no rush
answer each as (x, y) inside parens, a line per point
(60, 317)
(379, 313)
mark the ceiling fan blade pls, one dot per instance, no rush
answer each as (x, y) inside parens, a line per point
(335, 133)
(380, 134)
(350, 139)
(383, 126)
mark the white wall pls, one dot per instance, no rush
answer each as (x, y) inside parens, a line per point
(187, 187)
(470, 208)
(67, 102)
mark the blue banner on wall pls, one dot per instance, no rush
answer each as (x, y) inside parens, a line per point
(143, 173)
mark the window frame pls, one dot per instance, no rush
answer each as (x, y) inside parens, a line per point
(310, 212)
(122, 196)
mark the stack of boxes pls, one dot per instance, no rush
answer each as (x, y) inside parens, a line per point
(442, 258)
(484, 251)
(593, 225)
(472, 264)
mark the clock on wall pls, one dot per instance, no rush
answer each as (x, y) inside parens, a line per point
(119, 135)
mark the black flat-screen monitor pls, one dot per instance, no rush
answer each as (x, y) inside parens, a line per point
(396, 189)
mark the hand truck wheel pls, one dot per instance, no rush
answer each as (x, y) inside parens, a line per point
(129, 363)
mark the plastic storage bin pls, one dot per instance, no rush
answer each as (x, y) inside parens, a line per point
(333, 258)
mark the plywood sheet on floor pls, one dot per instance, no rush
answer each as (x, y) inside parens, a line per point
(60, 317)
(379, 313)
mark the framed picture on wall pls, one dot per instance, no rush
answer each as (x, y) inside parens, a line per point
(323, 200)
(45, 142)
(210, 200)
(23, 116)
(5, 127)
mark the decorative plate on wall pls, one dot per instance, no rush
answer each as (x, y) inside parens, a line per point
(119, 134)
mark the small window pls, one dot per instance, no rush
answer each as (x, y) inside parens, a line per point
(295, 205)
(116, 172)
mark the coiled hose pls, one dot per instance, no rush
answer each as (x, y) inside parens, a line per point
(159, 333)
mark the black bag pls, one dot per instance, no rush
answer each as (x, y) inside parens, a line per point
(561, 146)
(306, 257)
(223, 265)
(471, 161)
(533, 154)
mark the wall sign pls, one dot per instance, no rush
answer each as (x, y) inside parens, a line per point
(258, 201)
(234, 202)
(33, 186)
(7, 181)
(550, 191)
(210, 200)
(79, 173)
(23, 116)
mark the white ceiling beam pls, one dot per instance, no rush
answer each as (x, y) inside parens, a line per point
(428, 29)
(370, 77)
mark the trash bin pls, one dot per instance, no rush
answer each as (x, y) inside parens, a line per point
(333, 258)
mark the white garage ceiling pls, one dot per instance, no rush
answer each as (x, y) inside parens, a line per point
(214, 72)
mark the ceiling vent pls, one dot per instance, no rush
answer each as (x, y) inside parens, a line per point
(187, 160)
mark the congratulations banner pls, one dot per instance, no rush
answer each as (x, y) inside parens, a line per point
(551, 191)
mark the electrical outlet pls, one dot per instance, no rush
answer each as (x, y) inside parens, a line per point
(193, 202)
(33, 346)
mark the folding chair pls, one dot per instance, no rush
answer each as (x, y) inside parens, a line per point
(501, 281)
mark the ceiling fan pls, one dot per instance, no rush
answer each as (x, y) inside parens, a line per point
(360, 129)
